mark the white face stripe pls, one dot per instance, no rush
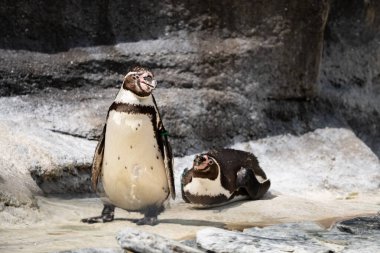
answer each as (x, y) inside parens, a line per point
(206, 187)
(128, 97)
(132, 73)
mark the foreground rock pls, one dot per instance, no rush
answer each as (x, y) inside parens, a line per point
(56, 225)
(138, 241)
(296, 237)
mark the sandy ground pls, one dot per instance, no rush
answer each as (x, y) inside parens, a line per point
(56, 225)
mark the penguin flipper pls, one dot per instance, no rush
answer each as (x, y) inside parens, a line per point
(166, 152)
(98, 160)
(247, 180)
(185, 179)
(168, 160)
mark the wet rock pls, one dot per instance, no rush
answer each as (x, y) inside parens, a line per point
(292, 237)
(140, 241)
(360, 225)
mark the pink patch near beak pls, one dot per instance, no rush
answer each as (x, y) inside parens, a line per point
(203, 165)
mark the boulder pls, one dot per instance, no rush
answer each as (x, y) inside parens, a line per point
(293, 237)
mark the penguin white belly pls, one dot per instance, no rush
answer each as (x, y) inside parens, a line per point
(134, 175)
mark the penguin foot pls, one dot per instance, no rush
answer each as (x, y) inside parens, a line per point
(98, 219)
(147, 221)
(106, 216)
(247, 180)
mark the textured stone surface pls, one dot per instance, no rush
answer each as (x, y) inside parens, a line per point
(205, 45)
(350, 66)
(136, 240)
(60, 163)
(292, 237)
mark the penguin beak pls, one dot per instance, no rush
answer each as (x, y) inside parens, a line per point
(153, 84)
(201, 162)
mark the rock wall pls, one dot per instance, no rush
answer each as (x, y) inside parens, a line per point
(350, 66)
(253, 50)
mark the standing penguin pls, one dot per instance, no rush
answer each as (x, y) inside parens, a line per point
(133, 163)
(221, 175)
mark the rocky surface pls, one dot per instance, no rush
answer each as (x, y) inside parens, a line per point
(138, 241)
(350, 66)
(295, 237)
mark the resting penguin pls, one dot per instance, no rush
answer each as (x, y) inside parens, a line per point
(221, 175)
(133, 163)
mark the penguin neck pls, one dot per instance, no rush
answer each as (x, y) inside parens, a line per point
(128, 97)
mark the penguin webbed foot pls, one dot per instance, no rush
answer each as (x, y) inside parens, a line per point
(107, 215)
(97, 219)
(247, 180)
(147, 221)
(150, 215)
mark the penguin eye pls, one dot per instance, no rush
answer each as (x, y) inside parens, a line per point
(148, 78)
(211, 162)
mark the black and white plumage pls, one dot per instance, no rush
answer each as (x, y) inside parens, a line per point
(133, 163)
(220, 176)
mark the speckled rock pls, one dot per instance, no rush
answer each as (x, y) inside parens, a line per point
(140, 241)
(295, 237)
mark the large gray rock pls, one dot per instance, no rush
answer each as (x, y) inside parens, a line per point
(291, 237)
(135, 240)
(56, 161)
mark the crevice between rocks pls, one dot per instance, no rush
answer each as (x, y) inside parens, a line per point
(72, 134)
(64, 180)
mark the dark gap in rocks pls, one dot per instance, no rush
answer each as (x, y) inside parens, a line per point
(69, 179)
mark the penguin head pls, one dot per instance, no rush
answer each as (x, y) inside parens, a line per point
(205, 166)
(140, 81)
